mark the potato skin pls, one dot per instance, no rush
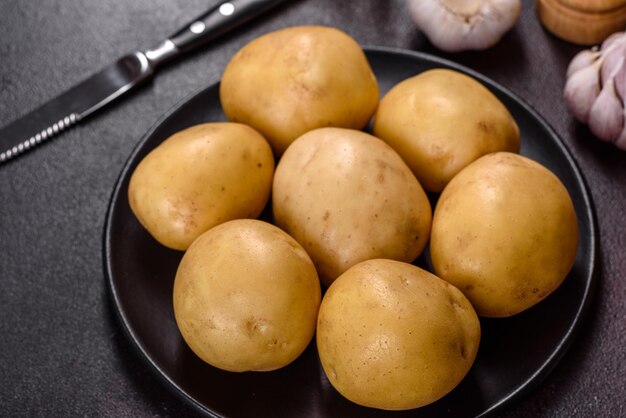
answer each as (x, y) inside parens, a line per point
(505, 233)
(246, 297)
(290, 81)
(440, 120)
(346, 196)
(200, 177)
(393, 336)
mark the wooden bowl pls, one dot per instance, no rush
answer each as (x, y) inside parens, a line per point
(583, 22)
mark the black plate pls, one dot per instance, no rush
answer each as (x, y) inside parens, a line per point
(515, 353)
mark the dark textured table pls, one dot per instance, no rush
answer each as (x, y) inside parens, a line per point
(62, 351)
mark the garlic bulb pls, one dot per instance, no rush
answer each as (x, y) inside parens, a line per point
(457, 25)
(595, 89)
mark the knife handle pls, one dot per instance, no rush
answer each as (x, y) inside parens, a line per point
(220, 19)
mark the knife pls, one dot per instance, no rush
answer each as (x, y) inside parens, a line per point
(120, 77)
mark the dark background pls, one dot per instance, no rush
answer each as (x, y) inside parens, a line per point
(62, 351)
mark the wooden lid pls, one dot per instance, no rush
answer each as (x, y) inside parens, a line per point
(582, 27)
(594, 6)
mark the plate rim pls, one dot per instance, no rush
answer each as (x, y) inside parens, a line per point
(520, 390)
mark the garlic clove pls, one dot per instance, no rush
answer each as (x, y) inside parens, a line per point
(581, 60)
(620, 142)
(618, 36)
(620, 82)
(611, 59)
(581, 91)
(457, 25)
(606, 116)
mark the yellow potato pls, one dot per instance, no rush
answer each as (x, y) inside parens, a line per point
(505, 233)
(346, 196)
(246, 297)
(393, 336)
(290, 81)
(200, 177)
(440, 121)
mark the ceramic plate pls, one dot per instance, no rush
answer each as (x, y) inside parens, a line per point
(515, 353)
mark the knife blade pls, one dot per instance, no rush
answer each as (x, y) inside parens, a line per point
(120, 77)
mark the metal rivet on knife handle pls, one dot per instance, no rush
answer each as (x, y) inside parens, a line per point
(122, 76)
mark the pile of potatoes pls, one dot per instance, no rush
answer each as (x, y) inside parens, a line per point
(350, 213)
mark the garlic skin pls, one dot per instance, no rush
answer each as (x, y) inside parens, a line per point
(581, 91)
(595, 89)
(606, 116)
(620, 142)
(583, 59)
(620, 82)
(610, 39)
(611, 58)
(459, 25)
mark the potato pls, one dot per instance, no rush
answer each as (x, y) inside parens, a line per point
(393, 336)
(505, 233)
(200, 177)
(346, 196)
(290, 81)
(246, 297)
(440, 121)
